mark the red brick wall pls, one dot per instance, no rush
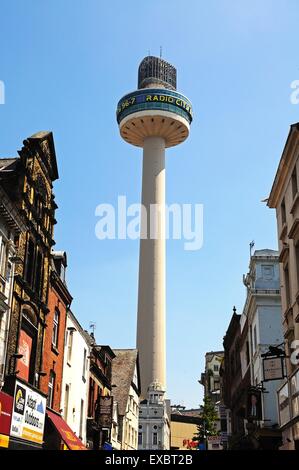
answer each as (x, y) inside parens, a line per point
(53, 358)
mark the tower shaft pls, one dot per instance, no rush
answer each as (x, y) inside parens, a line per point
(151, 341)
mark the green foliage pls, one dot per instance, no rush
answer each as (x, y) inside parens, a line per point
(209, 416)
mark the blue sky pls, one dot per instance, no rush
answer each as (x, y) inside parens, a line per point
(65, 64)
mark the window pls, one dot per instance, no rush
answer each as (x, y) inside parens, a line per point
(62, 272)
(232, 363)
(51, 389)
(254, 338)
(29, 262)
(155, 438)
(66, 401)
(216, 385)
(287, 285)
(294, 183)
(55, 328)
(38, 273)
(81, 419)
(3, 258)
(216, 368)
(38, 205)
(283, 213)
(297, 259)
(247, 353)
(70, 346)
(8, 271)
(267, 272)
(91, 397)
(27, 346)
(84, 365)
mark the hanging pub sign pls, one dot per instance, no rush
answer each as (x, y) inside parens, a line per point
(254, 405)
(273, 368)
(105, 407)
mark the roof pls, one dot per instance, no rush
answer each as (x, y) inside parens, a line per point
(123, 367)
(8, 164)
(232, 331)
(46, 137)
(43, 142)
(266, 252)
(105, 347)
(187, 419)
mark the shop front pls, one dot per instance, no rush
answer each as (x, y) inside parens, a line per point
(27, 418)
(6, 403)
(58, 434)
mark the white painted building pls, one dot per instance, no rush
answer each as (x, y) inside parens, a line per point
(116, 444)
(10, 225)
(74, 396)
(154, 420)
(263, 312)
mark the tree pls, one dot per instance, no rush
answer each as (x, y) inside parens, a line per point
(209, 417)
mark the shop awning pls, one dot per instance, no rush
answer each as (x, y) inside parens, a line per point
(67, 435)
(6, 403)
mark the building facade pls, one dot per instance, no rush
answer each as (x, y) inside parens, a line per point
(249, 337)
(210, 378)
(126, 392)
(75, 380)
(154, 420)
(100, 403)
(59, 300)
(184, 428)
(263, 312)
(27, 181)
(231, 378)
(11, 224)
(284, 198)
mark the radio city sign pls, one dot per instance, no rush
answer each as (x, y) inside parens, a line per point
(154, 98)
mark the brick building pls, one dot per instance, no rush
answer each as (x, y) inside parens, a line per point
(59, 299)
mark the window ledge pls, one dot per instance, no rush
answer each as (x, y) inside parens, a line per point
(284, 253)
(288, 311)
(295, 202)
(294, 229)
(54, 349)
(283, 231)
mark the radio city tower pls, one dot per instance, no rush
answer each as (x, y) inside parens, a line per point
(153, 117)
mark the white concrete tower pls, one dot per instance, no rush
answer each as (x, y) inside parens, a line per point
(153, 117)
